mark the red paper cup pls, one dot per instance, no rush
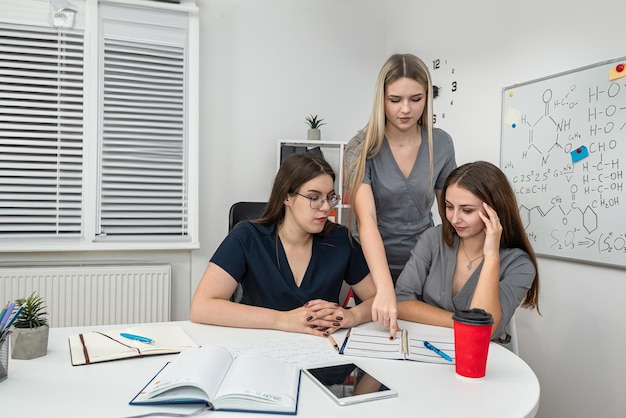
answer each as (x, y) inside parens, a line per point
(472, 333)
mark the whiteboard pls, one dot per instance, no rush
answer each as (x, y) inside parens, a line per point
(563, 148)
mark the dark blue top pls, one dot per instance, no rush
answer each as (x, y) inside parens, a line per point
(254, 256)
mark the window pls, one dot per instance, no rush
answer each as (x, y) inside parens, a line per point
(41, 132)
(96, 137)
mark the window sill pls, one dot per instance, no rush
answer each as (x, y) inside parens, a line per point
(80, 245)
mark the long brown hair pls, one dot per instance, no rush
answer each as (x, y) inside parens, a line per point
(488, 183)
(296, 170)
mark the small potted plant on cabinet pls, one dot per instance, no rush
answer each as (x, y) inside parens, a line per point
(314, 124)
(30, 330)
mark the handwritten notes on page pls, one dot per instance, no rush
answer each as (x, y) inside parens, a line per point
(307, 351)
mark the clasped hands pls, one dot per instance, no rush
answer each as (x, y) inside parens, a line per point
(319, 317)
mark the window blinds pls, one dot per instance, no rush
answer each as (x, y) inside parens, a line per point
(143, 188)
(143, 173)
(94, 126)
(41, 131)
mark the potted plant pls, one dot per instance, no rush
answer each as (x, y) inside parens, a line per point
(30, 329)
(314, 124)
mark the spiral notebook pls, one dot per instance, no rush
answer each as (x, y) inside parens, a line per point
(372, 340)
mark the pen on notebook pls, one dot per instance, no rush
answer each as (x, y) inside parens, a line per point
(345, 341)
(436, 350)
(333, 342)
(137, 338)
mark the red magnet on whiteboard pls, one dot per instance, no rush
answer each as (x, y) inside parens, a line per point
(617, 71)
(579, 153)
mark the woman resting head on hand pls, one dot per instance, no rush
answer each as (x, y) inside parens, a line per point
(480, 256)
(291, 263)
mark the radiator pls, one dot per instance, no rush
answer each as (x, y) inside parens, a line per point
(93, 294)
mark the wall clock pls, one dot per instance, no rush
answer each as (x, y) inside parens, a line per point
(445, 87)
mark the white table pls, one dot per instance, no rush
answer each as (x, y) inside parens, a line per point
(51, 387)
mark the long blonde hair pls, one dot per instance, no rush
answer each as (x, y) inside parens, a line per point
(369, 140)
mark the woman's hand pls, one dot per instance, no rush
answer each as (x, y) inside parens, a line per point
(385, 311)
(317, 317)
(493, 231)
(487, 292)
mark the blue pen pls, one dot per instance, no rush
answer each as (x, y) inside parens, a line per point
(345, 341)
(8, 313)
(137, 338)
(12, 320)
(436, 350)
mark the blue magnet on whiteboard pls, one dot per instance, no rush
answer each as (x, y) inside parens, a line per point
(579, 153)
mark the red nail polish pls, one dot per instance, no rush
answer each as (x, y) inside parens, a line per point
(309, 318)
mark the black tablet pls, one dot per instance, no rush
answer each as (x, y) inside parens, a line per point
(348, 383)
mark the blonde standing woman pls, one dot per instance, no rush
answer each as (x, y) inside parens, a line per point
(396, 166)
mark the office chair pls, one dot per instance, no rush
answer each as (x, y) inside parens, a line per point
(238, 212)
(242, 211)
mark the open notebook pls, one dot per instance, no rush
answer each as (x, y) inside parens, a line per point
(224, 381)
(372, 340)
(98, 346)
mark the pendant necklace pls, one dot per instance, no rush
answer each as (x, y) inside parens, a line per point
(469, 262)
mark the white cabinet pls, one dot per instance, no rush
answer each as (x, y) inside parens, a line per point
(333, 153)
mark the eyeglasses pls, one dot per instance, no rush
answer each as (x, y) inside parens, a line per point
(316, 201)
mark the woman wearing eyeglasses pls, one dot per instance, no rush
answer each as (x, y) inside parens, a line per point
(291, 262)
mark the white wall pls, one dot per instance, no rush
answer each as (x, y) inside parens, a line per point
(267, 64)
